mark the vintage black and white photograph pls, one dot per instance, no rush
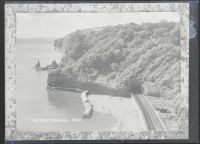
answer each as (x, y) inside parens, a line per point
(82, 71)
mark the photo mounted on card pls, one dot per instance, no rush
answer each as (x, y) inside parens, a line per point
(97, 71)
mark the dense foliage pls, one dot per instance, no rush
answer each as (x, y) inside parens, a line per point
(149, 52)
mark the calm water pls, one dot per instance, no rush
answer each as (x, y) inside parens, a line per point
(39, 109)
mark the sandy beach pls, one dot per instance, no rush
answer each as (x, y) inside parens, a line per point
(125, 110)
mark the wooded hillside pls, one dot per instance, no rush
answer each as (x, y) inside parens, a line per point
(149, 52)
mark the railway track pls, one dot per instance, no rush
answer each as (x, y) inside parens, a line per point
(153, 120)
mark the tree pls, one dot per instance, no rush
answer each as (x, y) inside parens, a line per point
(159, 32)
(129, 37)
(114, 66)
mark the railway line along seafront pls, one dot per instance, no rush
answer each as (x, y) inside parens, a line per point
(153, 120)
(145, 113)
(135, 113)
(126, 111)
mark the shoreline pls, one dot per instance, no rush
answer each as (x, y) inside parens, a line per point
(65, 89)
(124, 110)
(90, 92)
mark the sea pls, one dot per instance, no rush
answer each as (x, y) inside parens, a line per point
(43, 110)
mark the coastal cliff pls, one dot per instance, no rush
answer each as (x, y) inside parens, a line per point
(149, 52)
(58, 44)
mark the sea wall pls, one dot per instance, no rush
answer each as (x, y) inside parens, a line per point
(92, 87)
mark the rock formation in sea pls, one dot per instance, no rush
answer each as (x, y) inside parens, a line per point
(54, 64)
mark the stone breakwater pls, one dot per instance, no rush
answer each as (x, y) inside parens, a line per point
(84, 97)
(88, 107)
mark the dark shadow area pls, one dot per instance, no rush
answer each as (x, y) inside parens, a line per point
(134, 86)
(93, 88)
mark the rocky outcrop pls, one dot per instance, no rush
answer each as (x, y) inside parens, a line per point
(53, 65)
(58, 44)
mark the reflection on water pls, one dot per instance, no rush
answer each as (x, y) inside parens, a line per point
(35, 102)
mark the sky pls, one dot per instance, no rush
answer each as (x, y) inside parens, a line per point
(56, 25)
